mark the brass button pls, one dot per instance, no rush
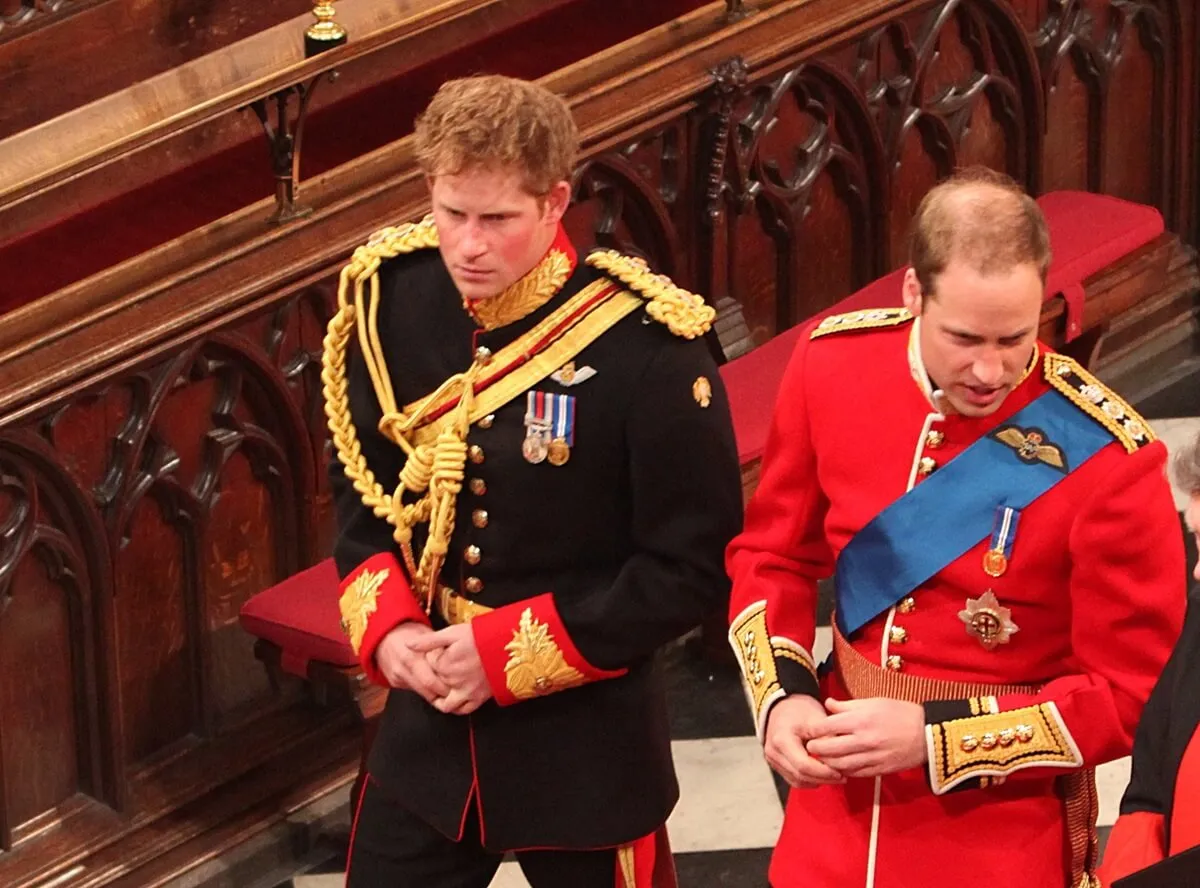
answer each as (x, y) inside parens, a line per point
(473, 585)
(1007, 736)
(988, 740)
(969, 743)
(478, 486)
(895, 663)
(483, 355)
(476, 454)
(934, 439)
(908, 605)
(898, 635)
(926, 466)
(487, 422)
(479, 518)
(1024, 733)
(472, 555)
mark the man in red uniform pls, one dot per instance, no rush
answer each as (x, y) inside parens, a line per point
(1008, 565)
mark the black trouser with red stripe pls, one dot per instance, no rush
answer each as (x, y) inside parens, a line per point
(393, 848)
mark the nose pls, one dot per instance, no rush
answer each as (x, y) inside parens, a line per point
(988, 368)
(472, 243)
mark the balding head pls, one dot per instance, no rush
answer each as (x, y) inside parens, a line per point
(979, 217)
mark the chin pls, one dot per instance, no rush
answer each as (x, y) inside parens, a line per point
(966, 408)
(475, 292)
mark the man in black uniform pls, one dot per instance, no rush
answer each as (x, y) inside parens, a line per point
(536, 482)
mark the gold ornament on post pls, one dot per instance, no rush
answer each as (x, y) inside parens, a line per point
(326, 33)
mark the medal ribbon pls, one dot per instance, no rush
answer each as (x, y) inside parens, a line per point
(563, 416)
(1004, 531)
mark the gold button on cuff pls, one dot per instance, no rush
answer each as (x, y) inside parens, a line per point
(487, 422)
(969, 743)
(1007, 736)
(472, 555)
(988, 740)
(935, 439)
(908, 605)
(479, 518)
(926, 466)
(1024, 733)
(895, 663)
(475, 454)
(898, 635)
(473, 585)
(478, 486)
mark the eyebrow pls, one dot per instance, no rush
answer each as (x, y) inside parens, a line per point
(1020, 334)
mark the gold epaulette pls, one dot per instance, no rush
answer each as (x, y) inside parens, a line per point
(682, 312)
(387, 243)
(1098, 401)
(867, 319)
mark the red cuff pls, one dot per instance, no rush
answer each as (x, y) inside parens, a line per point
(1137, 840)
(374, 599)
(527, 653)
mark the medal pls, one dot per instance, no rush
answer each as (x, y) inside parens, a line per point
(562, 419)
(549, 428)
(988, 621)
(994, 563)
(536, 445)
(1004, 532)
(558, 452)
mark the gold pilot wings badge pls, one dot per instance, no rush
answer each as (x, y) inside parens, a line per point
(1032, 446)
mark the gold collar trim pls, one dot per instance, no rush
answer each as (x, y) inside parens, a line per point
(525, 296)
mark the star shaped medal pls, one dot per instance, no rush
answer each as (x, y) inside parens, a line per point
(988, 621)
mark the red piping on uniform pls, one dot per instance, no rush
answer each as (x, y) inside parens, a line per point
(524, 358)
(354, 826)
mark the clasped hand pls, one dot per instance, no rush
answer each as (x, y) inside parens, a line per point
(444, 667)
(814, 745)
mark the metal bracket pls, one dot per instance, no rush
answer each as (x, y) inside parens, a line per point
(285, 139)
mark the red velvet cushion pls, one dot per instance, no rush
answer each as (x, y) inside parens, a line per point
(752, 380)
(301, 616)
(1091, 231)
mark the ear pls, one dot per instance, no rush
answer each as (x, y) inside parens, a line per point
(557, 201)
(911, 293)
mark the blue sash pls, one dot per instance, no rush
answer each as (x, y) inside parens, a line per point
(952, 510)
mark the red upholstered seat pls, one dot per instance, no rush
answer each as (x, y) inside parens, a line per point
(300, 616)
(1088, 232)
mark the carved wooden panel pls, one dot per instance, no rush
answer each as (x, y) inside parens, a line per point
(54, 633)
(135, 520)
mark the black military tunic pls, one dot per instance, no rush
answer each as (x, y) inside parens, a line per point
(627, 537)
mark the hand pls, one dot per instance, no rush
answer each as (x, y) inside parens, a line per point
(792, 721)
(406, 670)
(870, 737)
(456, 662)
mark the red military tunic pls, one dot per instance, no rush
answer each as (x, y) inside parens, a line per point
(1094, 585)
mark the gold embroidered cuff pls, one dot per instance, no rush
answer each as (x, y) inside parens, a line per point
(996, 744)
(773, 666)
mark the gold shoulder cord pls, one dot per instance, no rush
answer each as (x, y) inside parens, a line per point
(683, 313)
(434, 471)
